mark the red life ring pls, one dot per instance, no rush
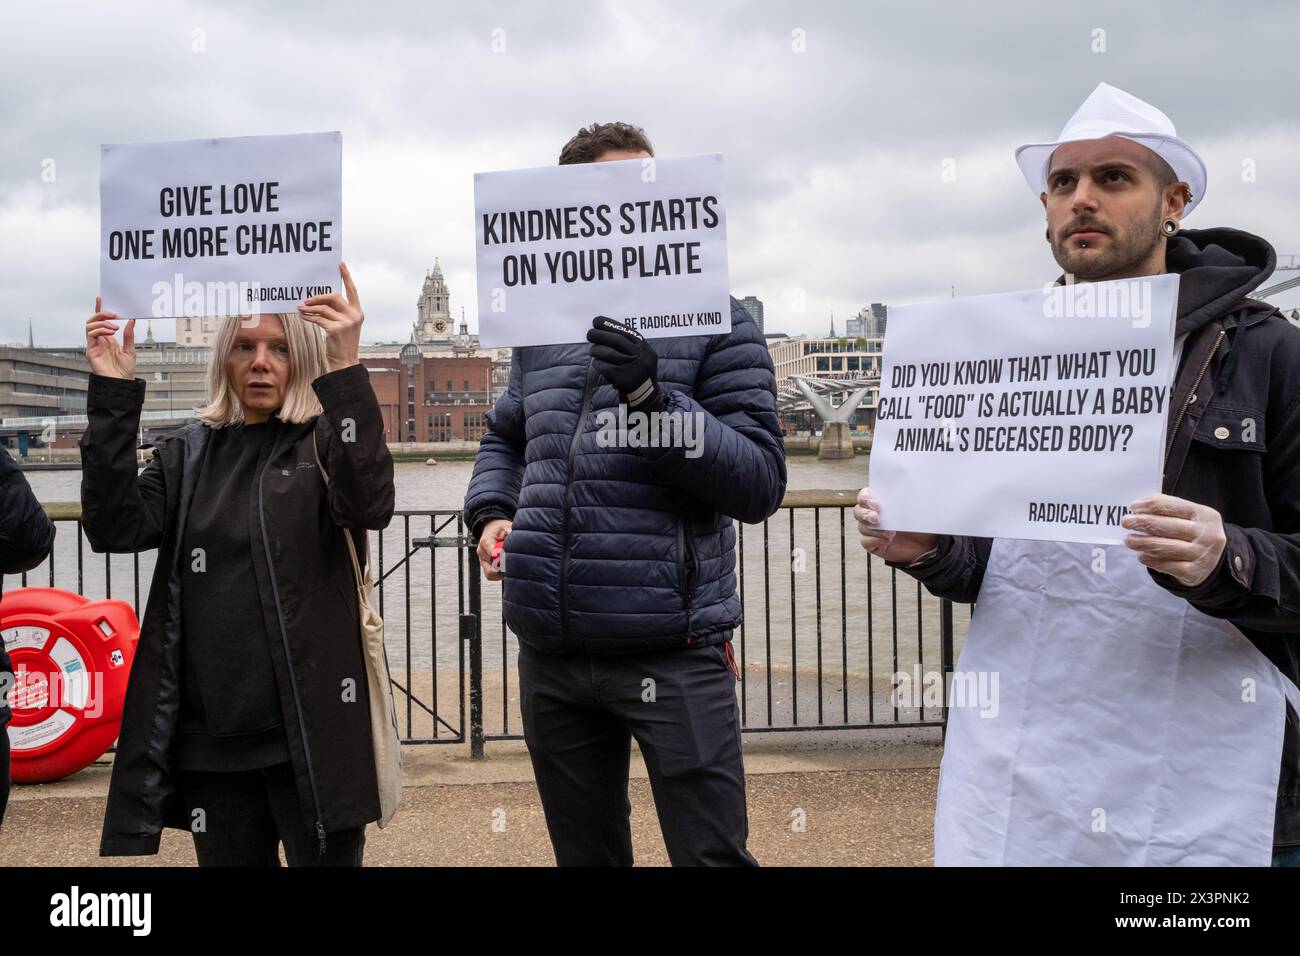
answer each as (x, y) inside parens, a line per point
(71, 660)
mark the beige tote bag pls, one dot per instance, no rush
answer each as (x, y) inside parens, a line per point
(383, 712)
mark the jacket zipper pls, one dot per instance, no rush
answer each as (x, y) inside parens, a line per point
(686, 563)
(568, 498)
(681, 559)
(288, 660)
(1173, 432)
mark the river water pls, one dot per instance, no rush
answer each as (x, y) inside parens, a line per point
(805, 660)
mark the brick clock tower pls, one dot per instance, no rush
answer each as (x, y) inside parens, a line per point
(433, 321)
(434, 388)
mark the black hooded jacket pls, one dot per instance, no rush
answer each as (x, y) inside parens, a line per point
(1233, 443)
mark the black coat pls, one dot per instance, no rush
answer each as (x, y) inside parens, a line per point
(1240, 362)
(26, 536)
(301, 562)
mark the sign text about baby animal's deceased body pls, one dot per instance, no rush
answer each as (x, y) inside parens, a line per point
(1025, 415)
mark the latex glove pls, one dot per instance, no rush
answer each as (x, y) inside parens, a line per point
(626, 360)
(1177, 537)
(899, 546)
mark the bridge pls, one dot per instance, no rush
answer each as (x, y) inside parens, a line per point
(801, 394)
(34, 425)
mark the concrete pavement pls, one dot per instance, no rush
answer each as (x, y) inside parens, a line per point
(815, 799)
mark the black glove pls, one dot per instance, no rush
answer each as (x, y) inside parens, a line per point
(626, 360)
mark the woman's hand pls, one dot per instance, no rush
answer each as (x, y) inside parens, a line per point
(106, 357)
(341, 319)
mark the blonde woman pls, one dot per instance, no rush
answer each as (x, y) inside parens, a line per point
(246, 718)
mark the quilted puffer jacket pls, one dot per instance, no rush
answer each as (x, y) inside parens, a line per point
(619, 549)
(26, 537)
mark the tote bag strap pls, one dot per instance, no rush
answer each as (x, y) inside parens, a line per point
(352, 548)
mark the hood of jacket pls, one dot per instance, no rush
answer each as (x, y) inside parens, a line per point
(1217, 267)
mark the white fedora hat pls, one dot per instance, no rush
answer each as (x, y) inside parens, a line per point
(1111, 112)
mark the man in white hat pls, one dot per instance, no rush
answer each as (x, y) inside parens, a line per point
(1148, 701)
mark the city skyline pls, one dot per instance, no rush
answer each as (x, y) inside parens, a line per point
(900, 187)
(435, 319)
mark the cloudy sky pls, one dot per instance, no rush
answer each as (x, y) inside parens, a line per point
(836, 120)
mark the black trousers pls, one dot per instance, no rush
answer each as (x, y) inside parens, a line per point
(4, 769)
(580, 713)
(246, 814)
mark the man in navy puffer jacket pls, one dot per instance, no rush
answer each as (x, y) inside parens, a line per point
(620, 567)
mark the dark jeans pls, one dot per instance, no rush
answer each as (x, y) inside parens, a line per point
(247, 813)
(1286, 856)
(580, 713)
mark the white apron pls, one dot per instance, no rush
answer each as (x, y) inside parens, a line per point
(1130, 729)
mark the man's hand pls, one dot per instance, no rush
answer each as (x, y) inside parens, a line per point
(626, 360)
(341, 319)
(494, 531)
(902, 547)
(1177, 537)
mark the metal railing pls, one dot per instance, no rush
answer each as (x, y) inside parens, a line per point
(826, 631)
(829, 634)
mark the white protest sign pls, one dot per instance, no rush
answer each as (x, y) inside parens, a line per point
(211, 227)
(1035, 415)
(643, 241)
